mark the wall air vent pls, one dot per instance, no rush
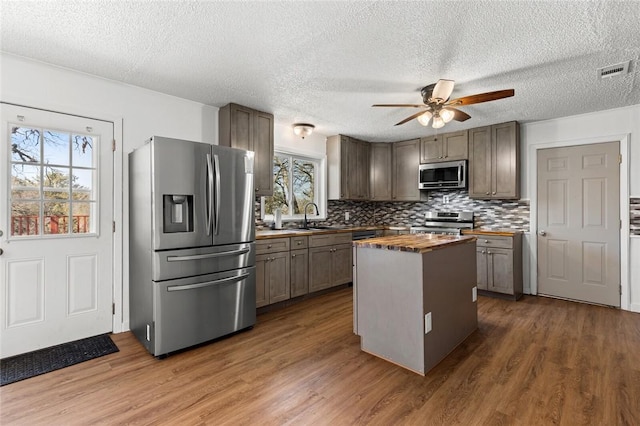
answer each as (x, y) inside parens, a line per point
(613, 70)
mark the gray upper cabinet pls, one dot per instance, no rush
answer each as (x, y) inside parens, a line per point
(380, 172)
(405, 163)
(348, 164)
(246, 128)
(494, 158)
(446, 147)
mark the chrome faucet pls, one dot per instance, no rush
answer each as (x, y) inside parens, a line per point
(305, 224)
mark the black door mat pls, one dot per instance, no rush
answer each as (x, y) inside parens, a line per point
(42, 361)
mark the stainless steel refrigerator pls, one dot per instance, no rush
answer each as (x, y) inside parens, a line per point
(191, 247)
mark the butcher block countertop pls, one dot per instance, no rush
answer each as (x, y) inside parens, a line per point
(503, 232)
(414, 243)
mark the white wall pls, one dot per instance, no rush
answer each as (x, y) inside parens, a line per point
(137, 114)
(621, 124)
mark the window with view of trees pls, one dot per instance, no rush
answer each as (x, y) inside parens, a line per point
(296, 183)
(52, 182)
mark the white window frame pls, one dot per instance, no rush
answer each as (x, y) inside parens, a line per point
(320, 189)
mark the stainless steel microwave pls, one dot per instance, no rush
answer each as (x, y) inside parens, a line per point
(447, 175)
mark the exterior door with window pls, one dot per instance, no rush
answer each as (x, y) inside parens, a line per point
(56, 178)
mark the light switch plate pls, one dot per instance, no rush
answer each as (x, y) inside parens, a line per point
(346, 216)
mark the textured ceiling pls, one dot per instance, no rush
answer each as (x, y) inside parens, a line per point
(327, 62)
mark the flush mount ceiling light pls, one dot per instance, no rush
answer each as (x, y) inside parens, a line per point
(303, 129)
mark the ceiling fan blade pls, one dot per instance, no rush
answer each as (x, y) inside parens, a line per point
(443, 89)
(411, 117)
(482, 97)
(459, 115)
(400, 105)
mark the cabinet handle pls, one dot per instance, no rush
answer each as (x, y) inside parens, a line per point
(293, 255)
(299, 242)
(486, 241)
(483, 252)
(269, 246)
(486, 193)
(489, 252)
(494, 193)
(257, 189)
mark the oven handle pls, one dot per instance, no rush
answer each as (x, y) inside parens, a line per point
(207, 255)
(207, 284)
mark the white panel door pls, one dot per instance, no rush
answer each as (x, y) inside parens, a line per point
(579, 223)
(56, 183)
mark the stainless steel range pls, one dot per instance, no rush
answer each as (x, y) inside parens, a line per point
(451, 223)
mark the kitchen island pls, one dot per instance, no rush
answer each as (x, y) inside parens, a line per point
(414, 297)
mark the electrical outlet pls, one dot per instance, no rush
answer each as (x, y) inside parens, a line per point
(346, 216)
(427, 323)
(445, 199)
(474, 294)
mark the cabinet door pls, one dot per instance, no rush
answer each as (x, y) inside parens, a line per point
(406, 160)
(455, 146)
(500, 262)
(299, 272)
(241, 127)
(380, 171)
(262, 282)
(362, 170)
(505, 182)
(342, 264)
(480, 162)
(263, 148)
(482, 271)
(278, 272)
(431, 149)
(320, 260)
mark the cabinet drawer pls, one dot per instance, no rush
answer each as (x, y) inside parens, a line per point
(321, 240)
(494, 241)
(342, 238)
(299, 242)
(272, 245)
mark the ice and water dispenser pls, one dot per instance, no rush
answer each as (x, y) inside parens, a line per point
(178, 213)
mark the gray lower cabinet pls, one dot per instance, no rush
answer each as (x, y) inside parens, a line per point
(499, 263)
(272, 271)
(330, 261)
(299, 276)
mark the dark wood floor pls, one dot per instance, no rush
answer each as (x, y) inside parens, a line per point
(537, 361)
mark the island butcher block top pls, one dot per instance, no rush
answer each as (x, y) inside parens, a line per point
(415, 243)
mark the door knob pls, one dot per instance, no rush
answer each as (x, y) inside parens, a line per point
(1, 252)
(542, 233)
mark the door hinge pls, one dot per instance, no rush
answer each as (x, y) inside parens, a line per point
(113, 308)
(620, 158)
(620, 287)
(113, 226)
(113, 145)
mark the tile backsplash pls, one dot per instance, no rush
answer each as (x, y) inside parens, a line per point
(487, 213)
(634, 215)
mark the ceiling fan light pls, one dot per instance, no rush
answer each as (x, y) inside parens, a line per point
(438, 122)
(446, 114)
(424, 118)
(303, 129)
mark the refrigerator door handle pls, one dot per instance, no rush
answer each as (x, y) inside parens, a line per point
(216, 163)
(208, 283)
(208, 255)
(209, 191)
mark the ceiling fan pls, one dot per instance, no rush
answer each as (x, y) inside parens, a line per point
(437, 105)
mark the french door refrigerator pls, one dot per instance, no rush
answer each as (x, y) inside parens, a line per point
(191, 247)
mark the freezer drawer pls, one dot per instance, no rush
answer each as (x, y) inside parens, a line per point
(172, 264)
(193, 310)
